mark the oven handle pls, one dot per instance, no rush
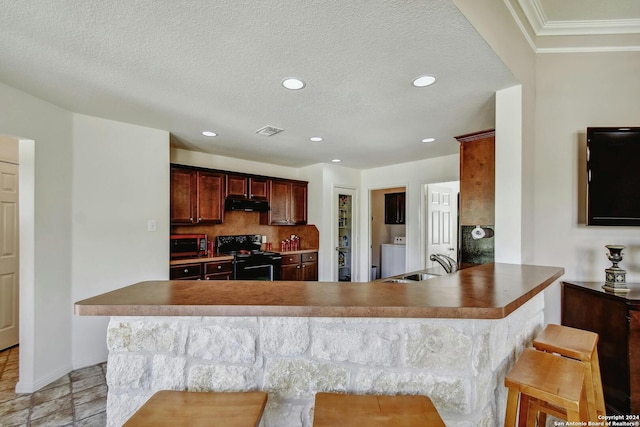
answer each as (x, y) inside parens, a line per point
(253, 267)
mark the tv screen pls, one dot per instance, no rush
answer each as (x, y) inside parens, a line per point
(613, 176)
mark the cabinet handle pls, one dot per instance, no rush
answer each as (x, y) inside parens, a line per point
(219, 267)
(186, 270)
(199, 219)
(298, 266)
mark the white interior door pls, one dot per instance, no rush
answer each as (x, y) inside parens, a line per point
(9, 287)
(442, 208)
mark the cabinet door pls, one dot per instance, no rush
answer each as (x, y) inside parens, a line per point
(218, 270)
(185, 272)
(477, 180)
(394, 208)
(279, 202)
(258, 188)
(183, 196)
(290, 272)
(210, 200)
(236, 186)
(310, 271)
(298, 204)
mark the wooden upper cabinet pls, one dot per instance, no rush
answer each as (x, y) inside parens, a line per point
(210, 200)
(477, 178)
(247, 187)
(196, 196)
(394, 208)
(287, 203)
(258, 188)
(236, 186)
(298, 203)
(183, 196)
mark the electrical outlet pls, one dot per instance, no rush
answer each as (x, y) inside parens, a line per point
(152, 225)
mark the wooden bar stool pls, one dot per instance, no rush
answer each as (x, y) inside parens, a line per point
(357, 410)
(188, 409)
(582, 346)
(549, 379)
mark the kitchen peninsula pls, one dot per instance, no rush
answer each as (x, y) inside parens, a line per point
(451, 337)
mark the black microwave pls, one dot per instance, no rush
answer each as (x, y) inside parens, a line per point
(188, 245)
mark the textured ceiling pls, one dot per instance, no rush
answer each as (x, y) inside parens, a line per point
(187, 66)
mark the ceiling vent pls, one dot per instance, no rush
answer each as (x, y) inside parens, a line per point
(268, 131)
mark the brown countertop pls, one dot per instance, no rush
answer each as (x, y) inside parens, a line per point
(632, 297)
(198, 260)
(488, 291)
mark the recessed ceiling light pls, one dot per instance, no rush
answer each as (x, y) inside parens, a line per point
(428, 140)
(315, 138)
(423, 81)
(336, 160)
(209, 133)
(293, 83)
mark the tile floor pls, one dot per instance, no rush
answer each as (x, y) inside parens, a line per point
(76, 400)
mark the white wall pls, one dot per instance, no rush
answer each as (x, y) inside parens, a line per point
(576, 91)
(120, 181)
(45, 222)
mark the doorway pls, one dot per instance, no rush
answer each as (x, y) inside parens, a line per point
(344, 207)
(384, 233)
(441, 220)
(9, 244)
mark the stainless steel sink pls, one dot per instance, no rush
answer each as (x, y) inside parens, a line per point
(419, 276)
(411, 278)
(398, 281)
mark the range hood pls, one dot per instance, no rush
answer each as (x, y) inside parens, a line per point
(248, 205)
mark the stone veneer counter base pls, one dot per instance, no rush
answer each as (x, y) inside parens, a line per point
(489, 291)
(367, 338)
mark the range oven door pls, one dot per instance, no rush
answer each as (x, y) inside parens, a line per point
(247, 269)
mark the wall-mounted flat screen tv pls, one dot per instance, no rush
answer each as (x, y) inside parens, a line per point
(613, 176)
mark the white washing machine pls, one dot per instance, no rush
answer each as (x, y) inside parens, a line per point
(393, 258)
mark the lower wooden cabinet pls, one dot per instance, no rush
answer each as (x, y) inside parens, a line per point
(218, 270)
(300, 267)
(616, 320)
(185, 272)
(213, 270)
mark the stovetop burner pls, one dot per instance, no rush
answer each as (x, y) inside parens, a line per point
(242, 246)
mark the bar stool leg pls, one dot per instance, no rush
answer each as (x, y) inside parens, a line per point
(597, 383)
(512, 408)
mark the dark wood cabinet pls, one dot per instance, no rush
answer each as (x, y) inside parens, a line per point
(287, 203)
(196, 197)
(218, 270)
(183, 196)
(185, 272)
(394, 208)
(477, 178)
(616, 320)
(246, 187)
(297, 267)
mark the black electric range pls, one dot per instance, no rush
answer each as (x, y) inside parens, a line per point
(250, 262)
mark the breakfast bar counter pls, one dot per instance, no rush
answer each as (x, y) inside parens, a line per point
(489, 291)
(452, 338)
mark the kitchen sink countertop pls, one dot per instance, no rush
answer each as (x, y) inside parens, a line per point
(488, 291)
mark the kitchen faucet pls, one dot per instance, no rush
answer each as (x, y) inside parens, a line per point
(449, 264)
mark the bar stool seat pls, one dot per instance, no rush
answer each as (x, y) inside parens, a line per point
(579, 345)
(184, 408)
(357, 410)
(547, 378)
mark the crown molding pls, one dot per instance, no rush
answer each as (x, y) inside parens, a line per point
(543, 26)
(534, 24)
